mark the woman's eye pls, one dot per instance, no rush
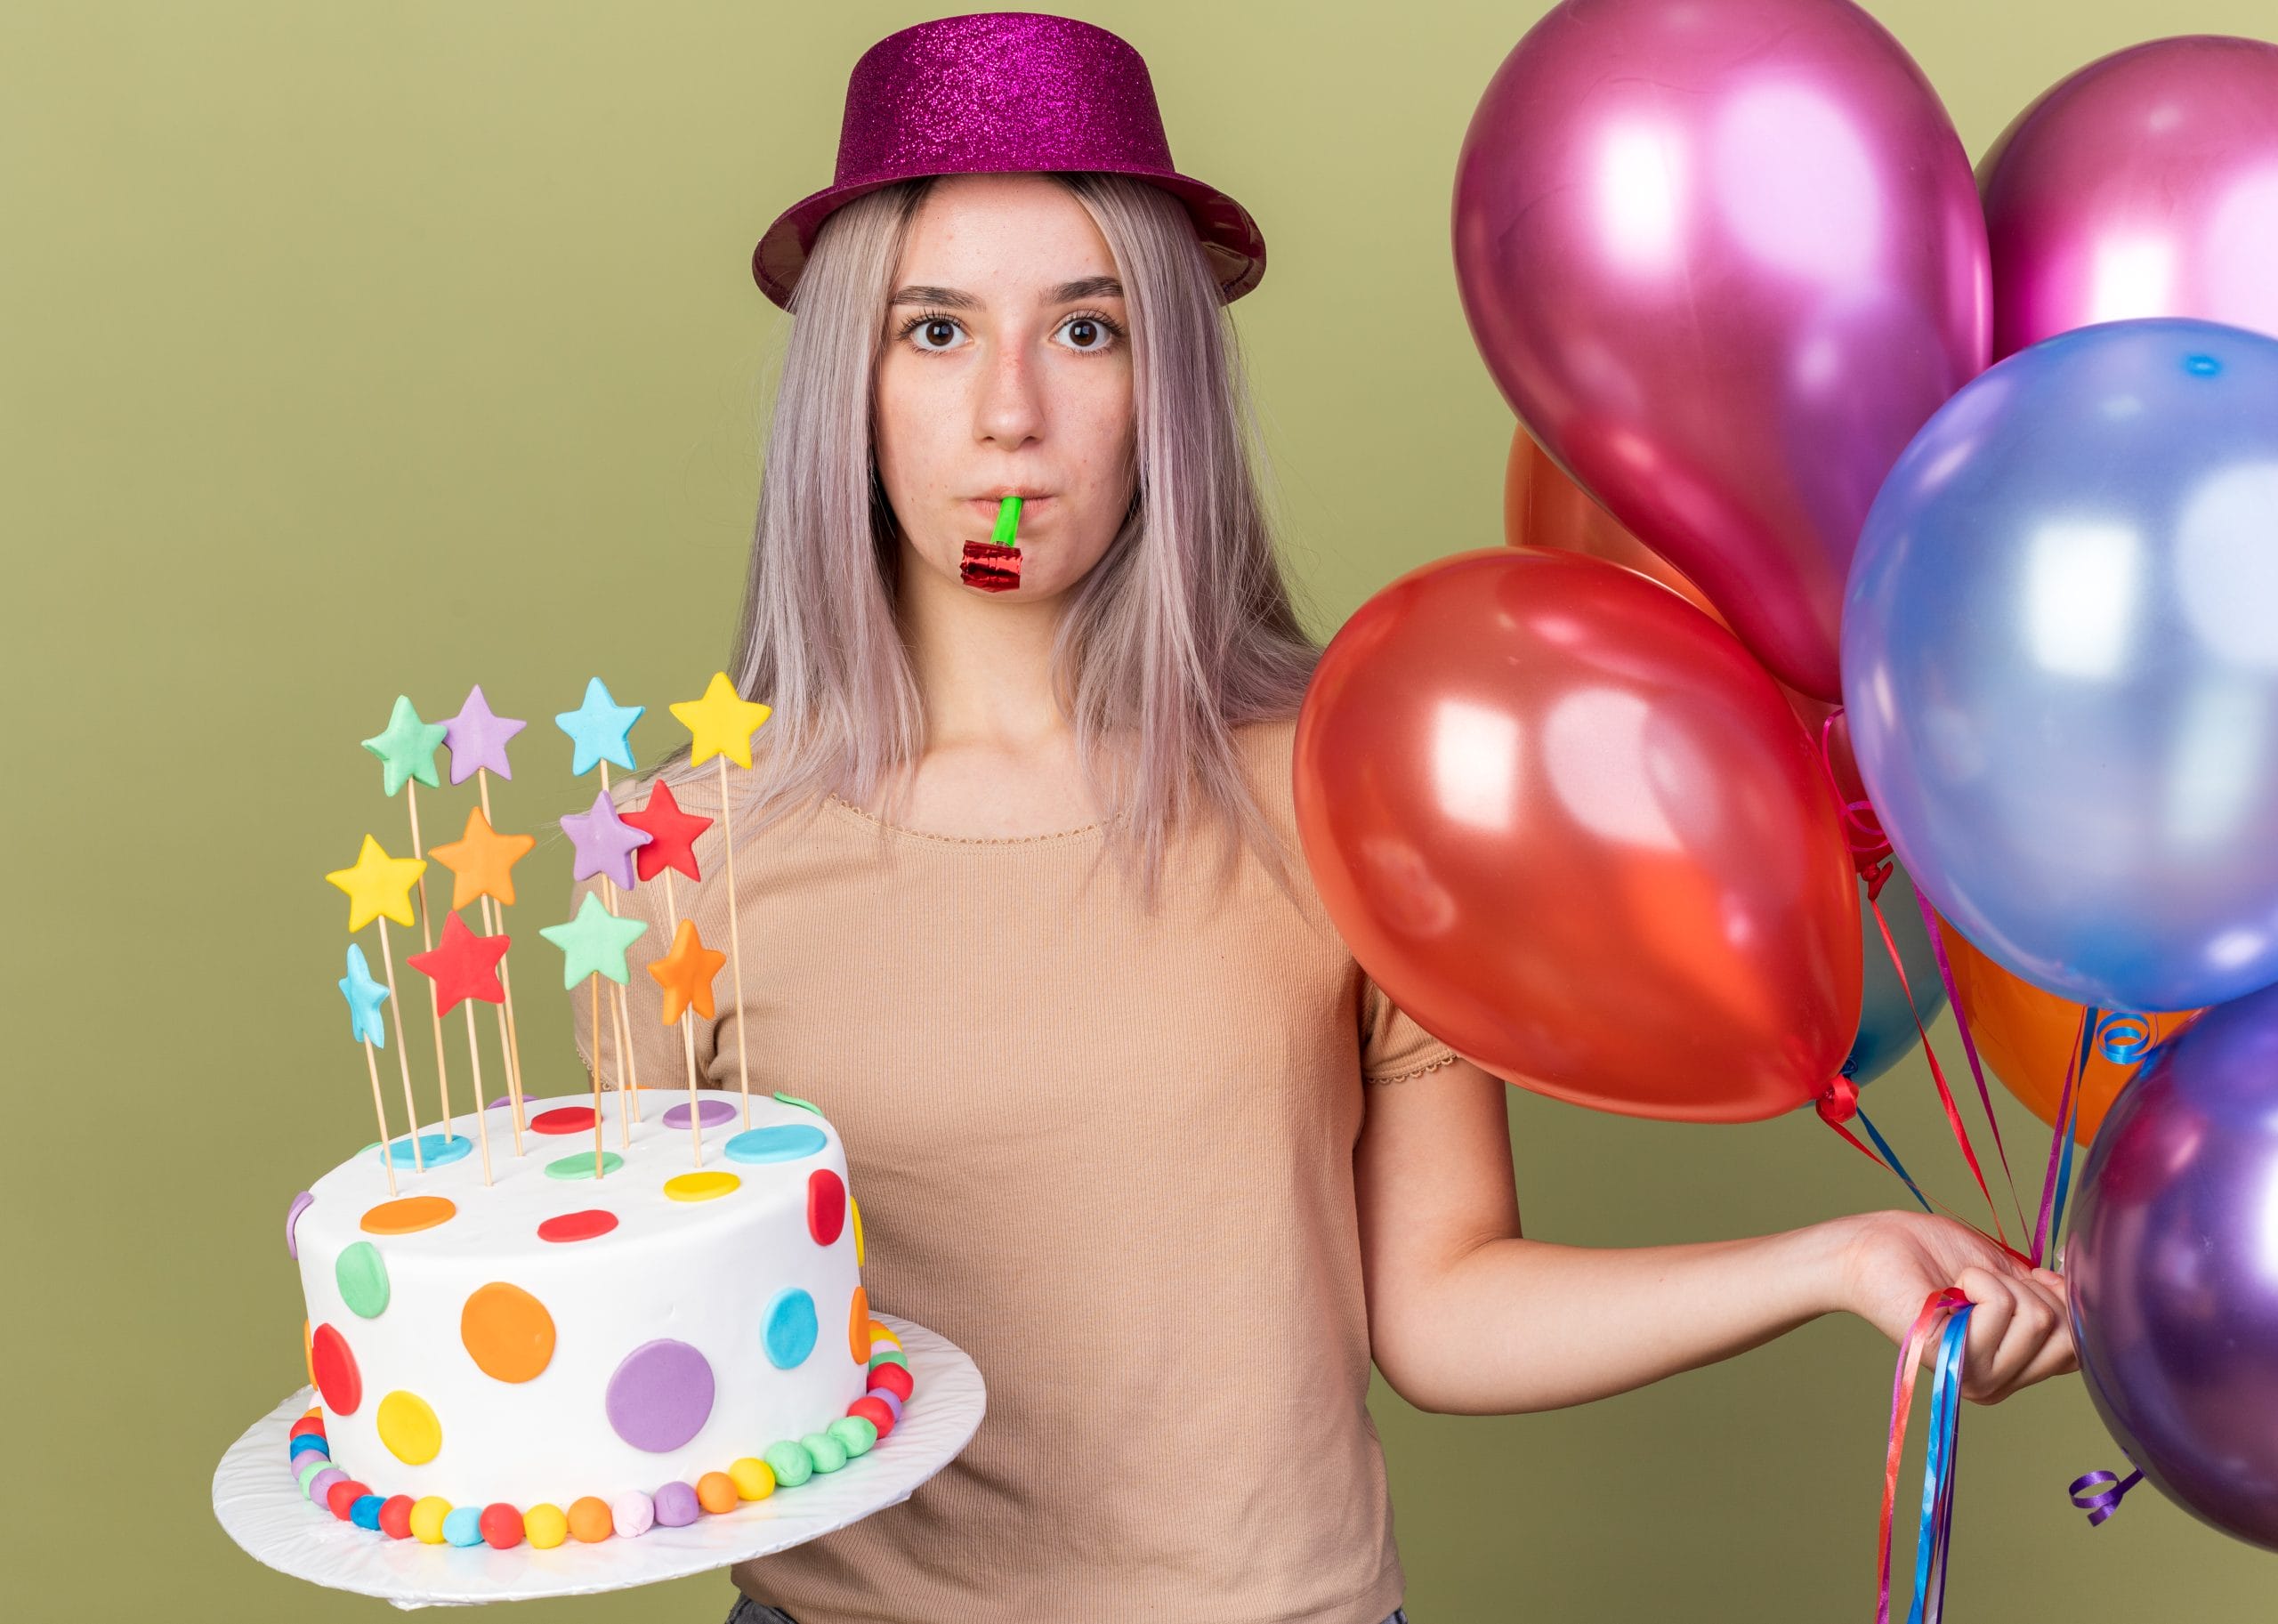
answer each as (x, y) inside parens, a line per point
(934, 333)
(1086, 333)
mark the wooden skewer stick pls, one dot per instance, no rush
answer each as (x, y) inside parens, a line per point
(491, 925)
(631, 1080)
(481, 1111)
(687, 1031)
(507, 978)
(402, 1056)
(735, 939)
(594, 984)
(427, 944)
(387, 1151)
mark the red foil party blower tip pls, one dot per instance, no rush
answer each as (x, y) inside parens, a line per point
(995, 565)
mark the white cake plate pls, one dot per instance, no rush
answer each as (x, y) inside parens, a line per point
(261, 1507)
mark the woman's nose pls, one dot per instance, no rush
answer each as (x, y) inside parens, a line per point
(1010, 411)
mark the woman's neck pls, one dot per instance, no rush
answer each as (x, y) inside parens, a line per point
(1000, 759)
(983, 665)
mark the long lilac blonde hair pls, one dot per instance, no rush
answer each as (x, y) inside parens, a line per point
(1184, 631)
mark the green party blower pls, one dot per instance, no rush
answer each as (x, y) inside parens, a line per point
(995, 565)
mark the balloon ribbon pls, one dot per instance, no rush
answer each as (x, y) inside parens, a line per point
(1933, 1535)
(1871, 856)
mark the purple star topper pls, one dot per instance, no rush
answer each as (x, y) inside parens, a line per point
(478, 738)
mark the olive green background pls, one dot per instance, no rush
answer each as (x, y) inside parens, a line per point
(359, 348)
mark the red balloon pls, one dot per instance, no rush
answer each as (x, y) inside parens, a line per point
(1566, 821)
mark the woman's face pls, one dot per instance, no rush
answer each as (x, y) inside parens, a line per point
(1006, 371)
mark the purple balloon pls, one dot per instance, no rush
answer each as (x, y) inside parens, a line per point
(2146, 184)
(1724, 257)
(2173, 1267)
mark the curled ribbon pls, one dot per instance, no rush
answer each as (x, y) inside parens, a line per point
(2124, 1037)
(1946, 1315)
(2090, 1494)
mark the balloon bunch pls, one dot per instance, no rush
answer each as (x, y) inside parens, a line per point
(1889, 615)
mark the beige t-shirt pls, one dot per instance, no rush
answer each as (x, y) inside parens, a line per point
(1110, 1155)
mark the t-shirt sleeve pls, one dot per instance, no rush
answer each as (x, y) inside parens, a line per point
(1393, 1048)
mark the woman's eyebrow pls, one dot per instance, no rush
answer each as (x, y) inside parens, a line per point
(922, 293)
(957, 299)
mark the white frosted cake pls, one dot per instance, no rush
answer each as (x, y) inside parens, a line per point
(558, 1355)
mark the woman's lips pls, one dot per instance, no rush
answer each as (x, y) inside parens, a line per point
(984, 508)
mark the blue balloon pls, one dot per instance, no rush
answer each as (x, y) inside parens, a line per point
(1886, 1025)
(2060, 662)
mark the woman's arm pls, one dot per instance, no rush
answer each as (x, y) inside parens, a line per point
(1467, 1315)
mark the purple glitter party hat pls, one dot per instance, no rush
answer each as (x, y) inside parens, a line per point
(1004, 92)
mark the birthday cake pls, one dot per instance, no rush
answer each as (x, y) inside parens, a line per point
(557, 1320)
(552, 1355)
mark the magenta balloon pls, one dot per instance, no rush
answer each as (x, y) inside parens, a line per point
(1724, 257)
(2146, 184)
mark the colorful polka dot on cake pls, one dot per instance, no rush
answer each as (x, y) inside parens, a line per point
(362, 1275)
(582, 1165)
(564, 1119)
(300, 1204)
(333, 1367)
(590, 1521)
(435, 1150)
(710, 1113)
(409, 1427)
(425, 1520)
(701, 1186)
(408, 1216)
(589, 1225)
(858, 1327)
(546, 1526)
(783, 1142)
(660, 1396)
(791, 1327)
(675, 1504)
(507, 1332)
(826, 1206)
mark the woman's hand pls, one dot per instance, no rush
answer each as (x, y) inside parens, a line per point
(2020, 1331)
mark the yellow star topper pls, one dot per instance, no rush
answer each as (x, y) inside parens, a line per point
(378, 885)
(722, 721)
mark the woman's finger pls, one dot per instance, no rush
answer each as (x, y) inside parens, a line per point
(2034, 1323)
(1993, 1306)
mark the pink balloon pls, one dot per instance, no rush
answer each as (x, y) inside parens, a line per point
(1724, 257)
(2146, 184)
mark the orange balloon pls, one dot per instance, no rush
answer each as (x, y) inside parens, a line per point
(1543, 508)
(2026, 1036)
(1569, 825)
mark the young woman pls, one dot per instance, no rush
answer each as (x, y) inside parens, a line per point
(1022, 911)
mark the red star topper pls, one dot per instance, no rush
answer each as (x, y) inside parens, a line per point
(672, 835)
(465, 966)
